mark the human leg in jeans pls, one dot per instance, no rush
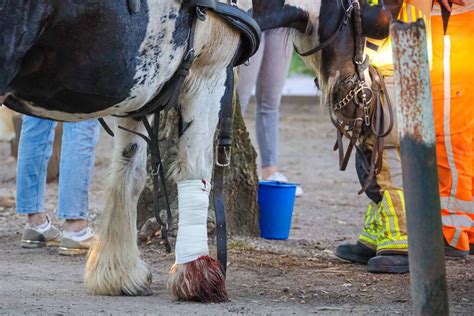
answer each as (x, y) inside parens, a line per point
(75, 175)
(271, 80)
(267, 70)
(34, 151)
(248, 75)
(77, 160)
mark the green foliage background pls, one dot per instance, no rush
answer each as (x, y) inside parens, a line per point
(299, 67)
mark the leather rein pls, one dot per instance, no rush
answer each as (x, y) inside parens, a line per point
(369, 113)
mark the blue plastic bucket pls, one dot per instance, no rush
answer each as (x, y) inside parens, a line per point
(276, 201)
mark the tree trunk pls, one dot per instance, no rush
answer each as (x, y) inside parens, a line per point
(241, 181)
(241, 205)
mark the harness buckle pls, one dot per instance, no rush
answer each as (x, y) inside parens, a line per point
(349, 11)
(366, 115)
(190, 55)
(358, 61)
(227, 151)
(155, 172)
(364, 95)
(201, 13)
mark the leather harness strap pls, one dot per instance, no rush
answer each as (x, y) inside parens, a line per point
(377, 126)
(219, 209)
(222, 159)
(361, 107)
(342, 25)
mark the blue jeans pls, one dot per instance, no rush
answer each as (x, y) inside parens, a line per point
(75, 172)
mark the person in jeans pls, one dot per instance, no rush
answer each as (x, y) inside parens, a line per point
(76, 165)
(267, 71)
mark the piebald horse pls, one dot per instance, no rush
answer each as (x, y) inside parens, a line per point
(73, 60)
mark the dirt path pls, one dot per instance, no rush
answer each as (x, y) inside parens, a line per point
(299, 276)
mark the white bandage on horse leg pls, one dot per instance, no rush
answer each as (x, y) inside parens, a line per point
(193, 203)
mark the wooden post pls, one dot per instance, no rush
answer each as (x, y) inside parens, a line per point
(420, 173)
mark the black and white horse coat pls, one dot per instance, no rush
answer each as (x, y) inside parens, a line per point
(72, 60)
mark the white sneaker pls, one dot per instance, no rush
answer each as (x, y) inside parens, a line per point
(72, 245)
(36, 237)
(280, 177)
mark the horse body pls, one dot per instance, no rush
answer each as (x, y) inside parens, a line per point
(72, 60)
(95, 59)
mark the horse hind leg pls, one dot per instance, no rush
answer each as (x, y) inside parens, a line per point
(196, 276)
(114, 266)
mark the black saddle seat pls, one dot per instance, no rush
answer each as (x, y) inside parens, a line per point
(238, 18)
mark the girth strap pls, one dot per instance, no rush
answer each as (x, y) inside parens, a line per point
(223, 150)
(219, 209)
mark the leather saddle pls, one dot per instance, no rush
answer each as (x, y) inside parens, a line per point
(238, 18)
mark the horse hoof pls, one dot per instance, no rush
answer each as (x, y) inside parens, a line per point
(147, 292)
(101, 279)
(201, 280)
(143, 291)
(137, 286)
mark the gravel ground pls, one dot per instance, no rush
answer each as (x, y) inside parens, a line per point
(298, 276)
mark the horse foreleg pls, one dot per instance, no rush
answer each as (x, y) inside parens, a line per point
(114, 266)
(196, 276)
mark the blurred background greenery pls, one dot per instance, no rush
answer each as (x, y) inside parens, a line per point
(298, 67)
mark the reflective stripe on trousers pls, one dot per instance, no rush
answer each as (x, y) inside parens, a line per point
(393, 235)
(385, 224)
(453, 95)
(372, 226)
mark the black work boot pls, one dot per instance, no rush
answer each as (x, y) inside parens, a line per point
(389, 263)
(452, 252)
(471, 251)
(355, 253)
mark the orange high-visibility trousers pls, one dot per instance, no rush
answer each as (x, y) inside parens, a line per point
(453, 101)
